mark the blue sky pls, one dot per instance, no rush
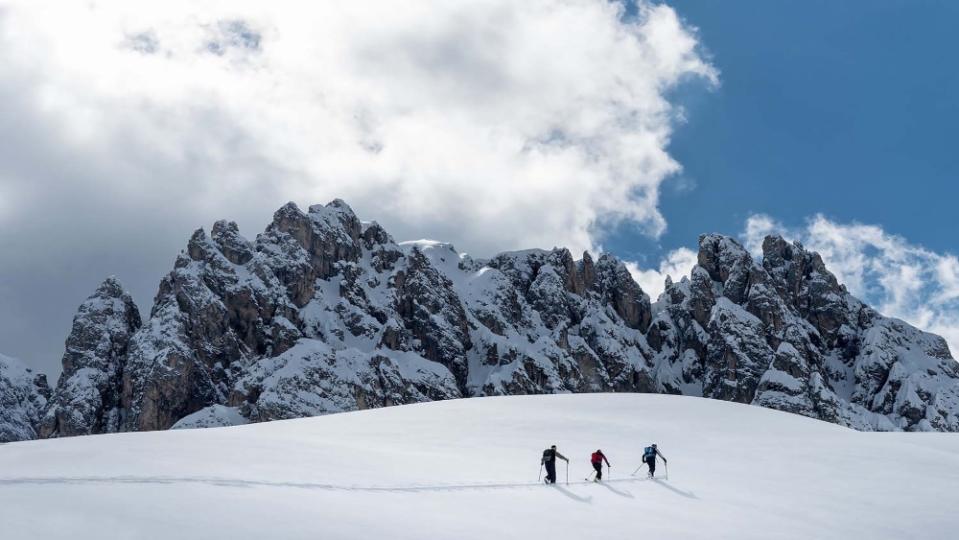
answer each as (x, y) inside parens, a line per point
(848, 109)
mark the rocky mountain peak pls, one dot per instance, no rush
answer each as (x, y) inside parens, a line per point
(324, 313)
(721, 256)
(111, 288)
(615, 283)
(793, 267)
(328, 234)
(23, 397)
(374, 234)
(727, 262)
(236, 249)
(337, 216)
(87, 396)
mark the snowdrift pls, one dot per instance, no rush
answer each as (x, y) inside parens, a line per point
(468, 469)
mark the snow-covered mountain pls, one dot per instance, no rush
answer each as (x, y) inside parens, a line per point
(324, 313)
(468, 469)
(23, 397)
(87, 396)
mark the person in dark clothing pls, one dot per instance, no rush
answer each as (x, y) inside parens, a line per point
(550, 456)
(649, 458)
(597, 460)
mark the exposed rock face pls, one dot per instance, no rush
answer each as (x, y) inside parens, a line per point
(23, 396)
(220, 308)
(87, 396)
(324, 313)
(785, 334)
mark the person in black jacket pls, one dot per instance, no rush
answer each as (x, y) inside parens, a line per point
(549, 459)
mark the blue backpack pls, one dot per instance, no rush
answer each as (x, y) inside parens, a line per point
(649, 453)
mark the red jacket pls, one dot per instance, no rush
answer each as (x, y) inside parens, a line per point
(598, 457)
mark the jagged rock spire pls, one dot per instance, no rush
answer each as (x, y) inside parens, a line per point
(87, 396)
(785, 334)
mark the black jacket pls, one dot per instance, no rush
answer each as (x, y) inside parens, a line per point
(550, 455)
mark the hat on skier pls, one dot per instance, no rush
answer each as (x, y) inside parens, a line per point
(654, 445)
(554, 446)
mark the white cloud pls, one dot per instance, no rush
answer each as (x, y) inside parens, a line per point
(901, 279)
(677, 264)
(524, 123)
(493, 125)
(758, 226)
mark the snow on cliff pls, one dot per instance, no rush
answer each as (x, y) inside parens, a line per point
(23, 396)
(325, 313)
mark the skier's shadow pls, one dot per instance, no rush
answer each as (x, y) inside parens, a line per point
(626, 494)
(687, 494)
(571, 495)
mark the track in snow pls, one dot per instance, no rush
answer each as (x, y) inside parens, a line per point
(450, 470)
(239, 482)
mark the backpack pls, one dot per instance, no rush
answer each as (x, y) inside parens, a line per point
(596, 458)
(548, 455)
(649, 453)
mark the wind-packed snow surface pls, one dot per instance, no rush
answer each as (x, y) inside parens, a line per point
(468, 469)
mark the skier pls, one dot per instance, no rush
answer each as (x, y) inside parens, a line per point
(549, 459)
(649, 458)
(597, 460)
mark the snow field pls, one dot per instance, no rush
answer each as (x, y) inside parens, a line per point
(467, 469)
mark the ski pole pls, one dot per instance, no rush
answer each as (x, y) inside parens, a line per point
(666, 465)
(540, 475)
(567, 472)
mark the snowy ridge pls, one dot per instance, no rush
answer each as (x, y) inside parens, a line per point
(324, 313)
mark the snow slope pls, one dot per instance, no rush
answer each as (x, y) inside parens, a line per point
(467, 469)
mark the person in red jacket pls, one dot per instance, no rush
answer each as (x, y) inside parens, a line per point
(597, 460)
